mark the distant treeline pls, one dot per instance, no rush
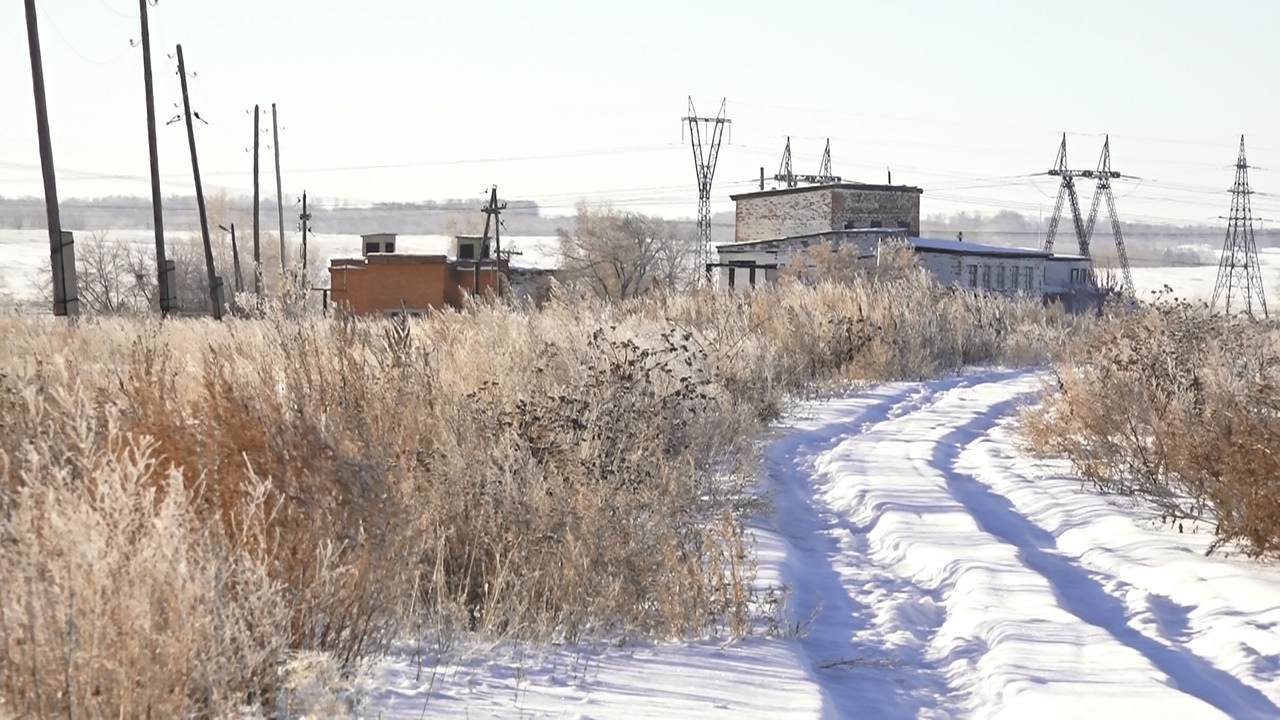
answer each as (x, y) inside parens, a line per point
(521, 217)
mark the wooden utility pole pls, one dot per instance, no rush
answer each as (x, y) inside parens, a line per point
(275, 140)
(235, 257)
(214, 282)
(162, 276)
(305, 218)
(61, 252)
(257, 247)
(492, 214)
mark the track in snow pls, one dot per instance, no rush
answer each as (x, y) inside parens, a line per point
(947, 576)
(938, 572)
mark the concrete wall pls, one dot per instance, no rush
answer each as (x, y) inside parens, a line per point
(857, 209)
(1010, 276)
(788, 213)
(1063, 273)
(773, 216)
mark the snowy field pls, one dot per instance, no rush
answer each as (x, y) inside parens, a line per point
(24, 254)
(24, 258)
(936, 571)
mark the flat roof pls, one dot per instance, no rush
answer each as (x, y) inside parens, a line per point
(967, 248)
(886, 232)
(864, 187)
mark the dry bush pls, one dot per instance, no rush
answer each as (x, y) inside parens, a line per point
(291, 485)
(1179, 406)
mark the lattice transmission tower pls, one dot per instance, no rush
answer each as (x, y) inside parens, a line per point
(787, 176)
(705, 134)
(1103, 176)
(1239, 272)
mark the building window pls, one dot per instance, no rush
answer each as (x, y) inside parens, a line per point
(1075, 275)
(877, 224)
(389, 247)
(371, 247)
(1000, 277)
(986, 277)
(1026, 278)
(466, 251)
(732, 273)
(973, 276)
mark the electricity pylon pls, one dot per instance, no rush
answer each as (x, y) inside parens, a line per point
(786, 175)
(1103, 176)
(1239, 272)
(704, 162)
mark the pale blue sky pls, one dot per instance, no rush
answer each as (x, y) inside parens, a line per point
(561, 100)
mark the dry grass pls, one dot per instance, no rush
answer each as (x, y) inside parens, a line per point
(185, 507)
(1178, 406)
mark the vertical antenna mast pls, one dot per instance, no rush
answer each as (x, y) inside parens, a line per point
(704, 162)
(1238, 271)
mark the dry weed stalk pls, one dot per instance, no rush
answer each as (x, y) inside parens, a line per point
(189, 505)
(1179, 406)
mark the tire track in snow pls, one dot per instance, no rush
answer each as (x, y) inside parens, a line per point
(933, 595)
(1080, 592)
(847, 603)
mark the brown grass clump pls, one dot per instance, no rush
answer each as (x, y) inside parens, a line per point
(186, 506)
(1179, 406)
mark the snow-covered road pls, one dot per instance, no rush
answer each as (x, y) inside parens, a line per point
(935, 572)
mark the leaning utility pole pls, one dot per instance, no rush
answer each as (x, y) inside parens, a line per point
(162, 275)
(1239, 271)
(257, 247)
(235, 256)
(275, 140)
(214, 282)
(304, 221)
(61, 251)
(705, 165)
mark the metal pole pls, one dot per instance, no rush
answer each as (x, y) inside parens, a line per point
(306, 217)
(156, 209)
(195, 170)
(257, 248)
(54, 222)
(275, 140)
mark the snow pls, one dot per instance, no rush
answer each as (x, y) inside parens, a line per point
(24, 254)
(960, 246)
(935, 571)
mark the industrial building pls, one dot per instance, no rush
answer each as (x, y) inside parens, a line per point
(801, 211)
(383, 281)
(772, 226)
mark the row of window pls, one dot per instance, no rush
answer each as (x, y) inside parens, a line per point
(1005, 278)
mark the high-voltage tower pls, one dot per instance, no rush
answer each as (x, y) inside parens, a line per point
(704, 161)
(1239, 272)
(1103, 176)
(786, 175)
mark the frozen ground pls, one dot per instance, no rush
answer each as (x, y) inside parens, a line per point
(936, 571)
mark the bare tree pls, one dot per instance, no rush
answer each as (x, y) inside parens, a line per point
(113, 276)
(624, 254)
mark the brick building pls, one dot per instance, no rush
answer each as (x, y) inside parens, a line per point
(386, 282)
(798, 211)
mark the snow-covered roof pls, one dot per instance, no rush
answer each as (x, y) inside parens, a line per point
(971, 248)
